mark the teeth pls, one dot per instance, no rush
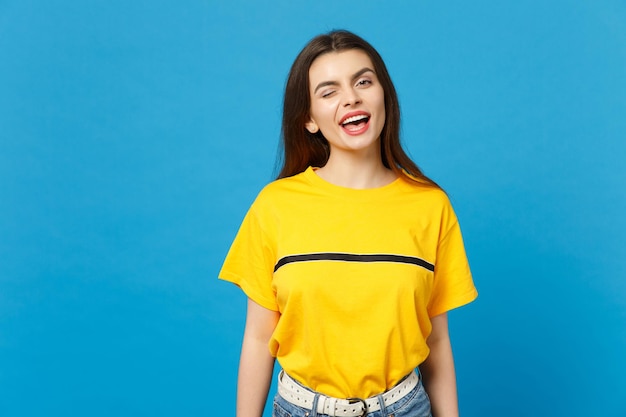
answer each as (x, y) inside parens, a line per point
(354, 119)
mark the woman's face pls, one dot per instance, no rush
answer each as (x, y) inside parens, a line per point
(347, 101)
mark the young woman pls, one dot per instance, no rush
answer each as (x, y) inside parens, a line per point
(351, 259)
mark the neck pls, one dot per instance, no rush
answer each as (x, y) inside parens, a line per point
(356, 170)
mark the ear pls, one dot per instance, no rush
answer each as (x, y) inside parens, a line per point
(311, 126)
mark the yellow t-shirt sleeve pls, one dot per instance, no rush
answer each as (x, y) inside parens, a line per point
(250, 262)
(453, 285)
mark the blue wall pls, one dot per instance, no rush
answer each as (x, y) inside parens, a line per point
(134, 135)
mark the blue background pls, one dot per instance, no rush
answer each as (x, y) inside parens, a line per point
(135, 134)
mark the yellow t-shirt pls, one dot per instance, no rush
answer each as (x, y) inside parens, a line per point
(355, 274)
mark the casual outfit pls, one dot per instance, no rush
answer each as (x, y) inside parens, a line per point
(356, 275)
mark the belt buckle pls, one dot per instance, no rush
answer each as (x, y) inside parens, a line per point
(355, 400)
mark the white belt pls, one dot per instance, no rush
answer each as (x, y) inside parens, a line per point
(299, 396)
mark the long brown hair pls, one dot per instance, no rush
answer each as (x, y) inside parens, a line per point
(301, 149)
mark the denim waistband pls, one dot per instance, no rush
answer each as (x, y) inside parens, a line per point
(319, 404)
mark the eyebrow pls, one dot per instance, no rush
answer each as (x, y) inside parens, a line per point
(355, 76)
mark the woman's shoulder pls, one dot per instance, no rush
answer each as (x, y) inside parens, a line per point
(281, 188)
(287, 184)
(424, 190)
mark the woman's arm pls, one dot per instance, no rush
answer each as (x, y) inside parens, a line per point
(256, 363)
(438, 370)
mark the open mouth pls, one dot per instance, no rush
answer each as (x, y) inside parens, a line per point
(355, 123)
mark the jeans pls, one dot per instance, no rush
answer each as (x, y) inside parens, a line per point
(414, 404)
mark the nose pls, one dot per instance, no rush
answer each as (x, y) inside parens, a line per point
(351, 98)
